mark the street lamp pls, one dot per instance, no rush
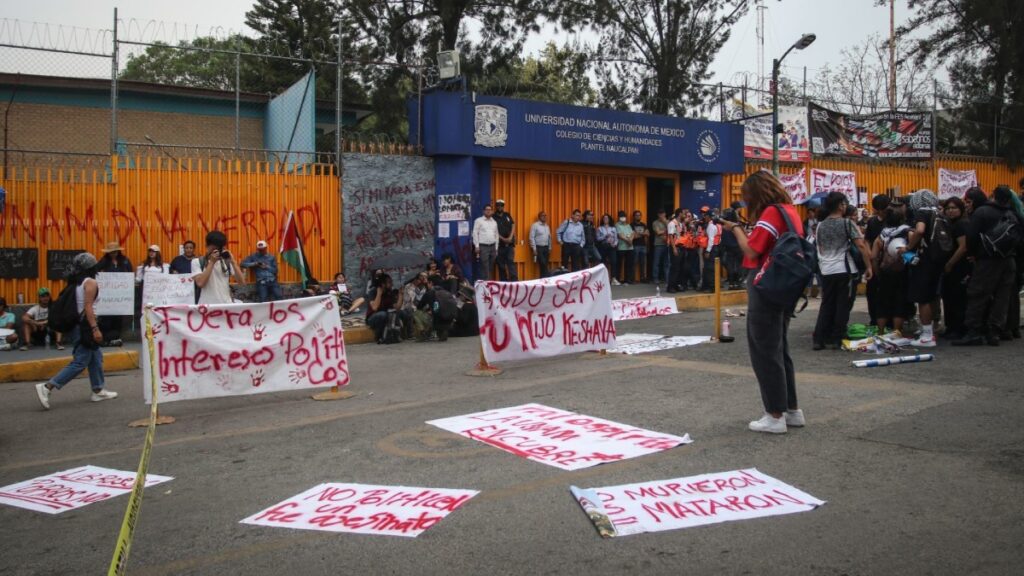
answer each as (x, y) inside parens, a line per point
(804, 41)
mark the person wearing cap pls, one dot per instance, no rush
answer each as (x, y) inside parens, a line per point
(154, 263)
(86, 337)
(506, 259)
(265, 266)
(485, 240)
(33, 323)
(113, 260)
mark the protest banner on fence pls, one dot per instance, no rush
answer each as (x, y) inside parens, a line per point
(956, 183)
(636, 308)
(71, 489)
(117, 294)
(453, 207)
(168, 289)
(547, 317)
(558, 438)
(691, 501)
(238, 349)
(826, 181)
(364, 509)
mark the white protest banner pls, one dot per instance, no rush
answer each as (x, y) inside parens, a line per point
(453, 207)
(117, 294)
(636, 308)
(548, 317)
(796, 186)
(825, 181)
(238, 349)
(558, 438)
(956, 183)
(168, 289)
(691, 501)
(657, 344)
(364, 509)
(71, 489)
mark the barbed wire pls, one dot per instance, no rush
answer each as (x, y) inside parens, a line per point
(55, 37)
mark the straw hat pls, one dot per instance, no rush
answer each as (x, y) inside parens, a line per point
(112, 247)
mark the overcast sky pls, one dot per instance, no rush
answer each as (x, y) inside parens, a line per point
(837, 23)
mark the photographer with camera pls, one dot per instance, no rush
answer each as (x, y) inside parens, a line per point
(215, 270)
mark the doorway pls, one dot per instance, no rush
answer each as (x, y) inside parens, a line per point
(661, 195)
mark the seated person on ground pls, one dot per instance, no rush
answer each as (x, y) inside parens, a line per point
(33, 323)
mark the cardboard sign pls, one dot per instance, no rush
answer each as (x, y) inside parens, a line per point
(658, 344)
(636, 308)
(826, 181)
(956, 183)
(117, 294)
(548, 317)
(688, 502)
(558, 438)
(238, 349)
(453, 207)
(168, 289)
(71, 489)
(363, 509)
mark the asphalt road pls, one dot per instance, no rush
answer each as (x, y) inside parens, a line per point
(921, 466)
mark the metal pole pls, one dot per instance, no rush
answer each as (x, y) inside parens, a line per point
(419, 111)
(805, 86)
(721, 102)
(113, 92)
(238, 95)
(935, 117)
(338, 149)
(892, 55)
(775, 117)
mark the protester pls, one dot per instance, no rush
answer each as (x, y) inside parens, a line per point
(624, 256)
(572, 235)
(641, 235)
(660, 266)
(890, 282)
(608, 242)
(265, 266)
(85, 337)
(956, 271)
(767, 324)
(676, 235)
(925, 275)
(113, 260)
(154, 263)
(344, 295)
(709, 251)
(835, 235)
(182, 263)
(382, 300)
(451, 274)
(1012, 330)
(732, 257)
(872, 230)
(810, 228)
(506, 259)
(215, 270)
(591, 250)
(691, 264)
(485, 241)
(34, 328)
(8, 333)
(860, 258)
(540, 243)
(412, 293)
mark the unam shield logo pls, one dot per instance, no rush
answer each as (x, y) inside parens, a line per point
(490, 126)
(708, 146)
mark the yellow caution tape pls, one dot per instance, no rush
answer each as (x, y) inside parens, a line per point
(119, 562)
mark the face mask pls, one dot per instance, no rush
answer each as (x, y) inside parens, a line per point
(623, 219)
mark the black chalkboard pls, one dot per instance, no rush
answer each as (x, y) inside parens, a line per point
(19, 263)
(57, 261)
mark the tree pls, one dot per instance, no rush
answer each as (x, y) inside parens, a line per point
(193, 64)
(556, 75)
(654, 55)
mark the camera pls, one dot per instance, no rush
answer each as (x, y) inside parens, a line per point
(224, 254)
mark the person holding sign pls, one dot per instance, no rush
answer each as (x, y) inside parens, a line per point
(113, 260)
(215, 270)
(85, 336)
(265, 265)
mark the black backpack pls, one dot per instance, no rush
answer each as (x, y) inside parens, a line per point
(64, 314)
(393, 329)
(1004, 238)
(788, 270)
(447, 306)
(940, 245)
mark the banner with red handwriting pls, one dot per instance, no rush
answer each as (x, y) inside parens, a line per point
(956, 183)
(636, 308)
(690, 501)
(71, 489)
(364, 509)
(238, 349)
(559, 438)
(548, 317)
(825, 181)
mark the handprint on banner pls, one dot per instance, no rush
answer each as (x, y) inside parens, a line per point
(599, 286)
(223, 380)
(169, 388)
(257, 378)
(328, 303)
(319, 328)
(258, 330)
(297, 376)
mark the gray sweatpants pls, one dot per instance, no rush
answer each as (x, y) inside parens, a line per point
(768, 340)
(488, 254)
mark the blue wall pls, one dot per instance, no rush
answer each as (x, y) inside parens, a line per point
(462, 175)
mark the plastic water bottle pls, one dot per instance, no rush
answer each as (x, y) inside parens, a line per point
(726, 327)
(657, 290)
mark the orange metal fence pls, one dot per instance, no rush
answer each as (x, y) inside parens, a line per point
(166, 201)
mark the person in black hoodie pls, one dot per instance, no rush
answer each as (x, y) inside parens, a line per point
(994, 276)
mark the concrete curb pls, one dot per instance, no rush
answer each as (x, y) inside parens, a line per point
(40, 370)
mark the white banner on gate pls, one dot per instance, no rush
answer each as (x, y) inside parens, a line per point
(691, 501)
(363, 509)
(548, 317)
(238, 349)
(71, 489)
(168, 289)
(825, 181)
(636, 308)
(116, 294)
(559, 438)
(796, 186)
(956, 183)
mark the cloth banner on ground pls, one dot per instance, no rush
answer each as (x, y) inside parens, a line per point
(691, 501)
(168, 289)
(658, 344)
(826, 181)
(117, 294)
(71, 489)
(636, 308)
(364, 509)
(453, 207)
(558, 438)
(238, 349)
(882, 135)
(956, 183)
(795, 185)
(794, 141)
(548, 317)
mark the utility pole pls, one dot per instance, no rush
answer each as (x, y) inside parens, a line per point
(760, 50)
(892, 55)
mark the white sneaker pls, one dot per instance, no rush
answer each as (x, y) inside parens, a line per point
(43, 393)
(103, 395)
(769, 424)
(923, 342)
(615, 282)
(795, 418)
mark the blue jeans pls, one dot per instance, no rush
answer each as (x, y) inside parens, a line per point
(661, 266)
(640, 262)
(81, 358)
(268, 291)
